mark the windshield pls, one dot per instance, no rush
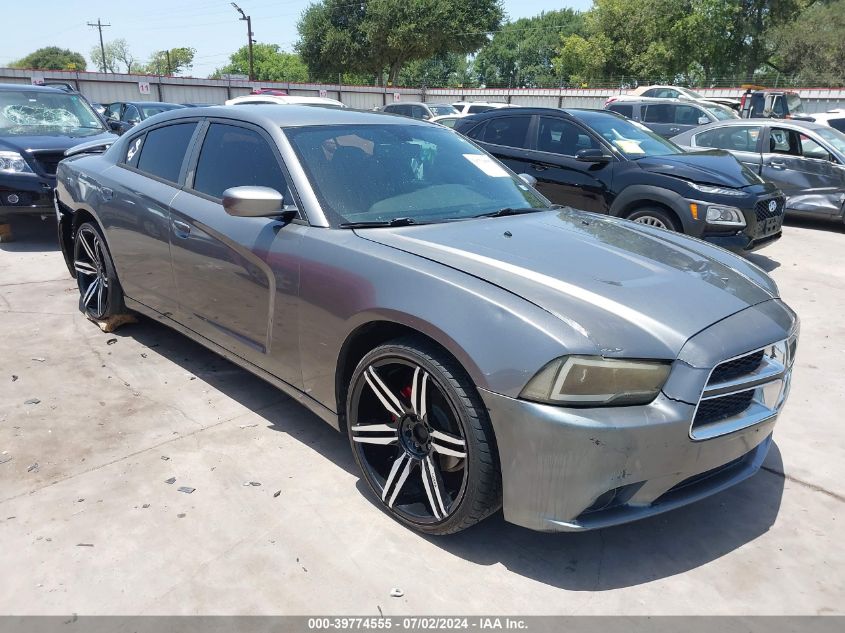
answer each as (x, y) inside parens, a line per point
(376, 173)
(834, 138)
(633, 139)
(31, 112)
(441, 110)
(722, 113)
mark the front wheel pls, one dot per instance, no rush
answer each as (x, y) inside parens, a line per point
(100, 294)
(654, 216)
(422, 439)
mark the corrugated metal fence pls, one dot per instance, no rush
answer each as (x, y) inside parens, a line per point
(108, 87)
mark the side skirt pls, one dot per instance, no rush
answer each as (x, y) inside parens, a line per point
(326, 414)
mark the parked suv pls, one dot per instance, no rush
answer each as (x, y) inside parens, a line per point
(420, 110)
(669, 117)
(672, 92)
(603, 162)
(37, 125)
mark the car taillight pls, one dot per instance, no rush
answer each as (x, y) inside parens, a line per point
(609, 101)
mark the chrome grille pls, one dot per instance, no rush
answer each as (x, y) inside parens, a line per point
(744, 390)
(48, 161)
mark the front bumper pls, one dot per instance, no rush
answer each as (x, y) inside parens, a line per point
(27, 194)
(567, 469)
(762, 227)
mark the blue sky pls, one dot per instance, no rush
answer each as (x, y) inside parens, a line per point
(210, 26)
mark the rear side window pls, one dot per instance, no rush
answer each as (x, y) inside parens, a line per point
(624, 110)
(164, 150)
(234, 156)
(509, 131)
(659, 113)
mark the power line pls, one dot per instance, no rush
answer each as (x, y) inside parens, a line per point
(100, 26)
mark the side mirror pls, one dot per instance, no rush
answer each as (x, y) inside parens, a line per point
(115, 126)
(592, 156)
(528, 179)
(703, 120)
(256, 202)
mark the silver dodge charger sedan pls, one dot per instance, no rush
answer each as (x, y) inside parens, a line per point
(480, 347)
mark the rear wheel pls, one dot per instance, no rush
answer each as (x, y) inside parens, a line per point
(422, 439)
(655, 216)
(100, 294)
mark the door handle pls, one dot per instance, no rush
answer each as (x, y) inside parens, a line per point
(777, 164)
(182, 229)
(538, 167)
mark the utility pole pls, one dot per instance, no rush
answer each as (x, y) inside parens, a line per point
(167, 54)
(249, 35)
(100, 26)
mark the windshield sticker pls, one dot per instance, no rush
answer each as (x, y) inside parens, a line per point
(37, 115)
(628, 146)
(487, 165)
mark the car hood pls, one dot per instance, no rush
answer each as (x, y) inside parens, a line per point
(57, 139)
(622, 289)
(711, 167)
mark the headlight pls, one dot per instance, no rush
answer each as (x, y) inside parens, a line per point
(725, 216)
(721, 191)
(13, 163)
(596, 381)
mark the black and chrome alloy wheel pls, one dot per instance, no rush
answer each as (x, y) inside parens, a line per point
(99, 292)
(421, 442)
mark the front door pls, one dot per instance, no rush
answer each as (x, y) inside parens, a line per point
(810, 177)
(560, 176)
(237, 277)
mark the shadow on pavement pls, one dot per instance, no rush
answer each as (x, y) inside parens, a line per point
(766, 263)
(31, 234)
(818, 224)
(623, 556)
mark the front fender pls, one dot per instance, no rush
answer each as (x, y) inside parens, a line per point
(635, 195)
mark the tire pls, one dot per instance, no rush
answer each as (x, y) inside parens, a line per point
(100, 294)
(655, 216)
(422, 437)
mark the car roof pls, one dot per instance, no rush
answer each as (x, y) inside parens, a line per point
(785, 123)
(293, 115)
(281, 100)
(33, 88)
(661, 100)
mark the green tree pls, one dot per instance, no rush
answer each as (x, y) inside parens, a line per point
(521, 53)
(51, 58)
(270, 63)
(117, 53)
(818, 54)
(446, 70)
(581, 60)
(383, 35)
(170, 62)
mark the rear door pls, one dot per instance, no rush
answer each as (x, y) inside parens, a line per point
(660, 118)
(507, 138)
(237, 277)
(135, 211)
(743, 141)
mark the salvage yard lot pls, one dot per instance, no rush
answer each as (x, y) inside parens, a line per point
(89, 525)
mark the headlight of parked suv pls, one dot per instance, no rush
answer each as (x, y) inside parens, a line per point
(724, 216)
(13, 163)
(583, 381)
(721, 191)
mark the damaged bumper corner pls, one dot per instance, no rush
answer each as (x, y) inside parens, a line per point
(569, 469)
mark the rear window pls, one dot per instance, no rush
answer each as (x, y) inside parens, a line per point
(624, 110)
(163, 150)
(837, 124)
(508, 131)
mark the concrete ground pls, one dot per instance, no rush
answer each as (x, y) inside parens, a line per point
(88, 524)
